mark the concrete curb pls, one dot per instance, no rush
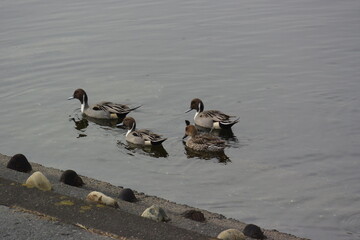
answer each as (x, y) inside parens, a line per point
(124, 221)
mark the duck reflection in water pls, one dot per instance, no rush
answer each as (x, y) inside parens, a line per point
(221, 157)
(82, 122)
(157, 151)
(205, 146)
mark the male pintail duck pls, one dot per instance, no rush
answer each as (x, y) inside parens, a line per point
(142, 136)
(213, 119)
(102, 110)
(202, 142)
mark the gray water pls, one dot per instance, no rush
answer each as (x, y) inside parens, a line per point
(289, 69)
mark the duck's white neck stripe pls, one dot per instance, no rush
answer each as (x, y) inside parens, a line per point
(196, 115)
(129, 131)
(82, 107)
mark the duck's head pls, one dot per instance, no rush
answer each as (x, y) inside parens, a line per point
(196, 104)
(79, 94)
(129, 123)
(190, 130)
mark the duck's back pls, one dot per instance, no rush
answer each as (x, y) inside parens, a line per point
(206, 142)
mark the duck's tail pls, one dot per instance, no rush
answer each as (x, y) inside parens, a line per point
(158, 141)
(123, 114)
(132, 109)
(228, 124)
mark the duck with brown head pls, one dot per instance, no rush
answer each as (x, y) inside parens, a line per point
(212, 119)
(101, 110)
(142, 137)
(202, 142)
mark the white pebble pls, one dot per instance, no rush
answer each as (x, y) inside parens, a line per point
(231, 234)
(102, 198)
(155, 213)
(38, 180)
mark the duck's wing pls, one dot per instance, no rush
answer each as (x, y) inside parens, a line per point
(112, 107)
(216, 115)
(150, 136)
(222, 118)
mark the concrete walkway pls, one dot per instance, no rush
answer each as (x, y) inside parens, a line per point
(20, 225)
(75, 211)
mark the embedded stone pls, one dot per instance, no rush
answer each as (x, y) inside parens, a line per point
(253, 231)
(194, 215)
(38, 180)
(19, 163)
(127, 195)
(231, 234)
(71, 178)
(155, 213)
(101, 198)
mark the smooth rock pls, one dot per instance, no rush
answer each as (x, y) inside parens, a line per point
(38, 180)
(127, 195)
(155, 213)
(19, 163)
(102, 199)
(194, 215)
(231, 234)
(253, 231)
(70, 177)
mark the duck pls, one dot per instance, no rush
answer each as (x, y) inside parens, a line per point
(202, 142)
(212, 119)
(101, 110)
(143, 137)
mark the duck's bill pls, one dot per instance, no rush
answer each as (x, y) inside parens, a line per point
(188, 110)
(69, 98)
(184, 136)
(119, 124)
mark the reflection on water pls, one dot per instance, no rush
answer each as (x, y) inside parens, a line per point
(82, 122)
(220, 156)
(81, 135)
(157, 151)
(104, 122)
